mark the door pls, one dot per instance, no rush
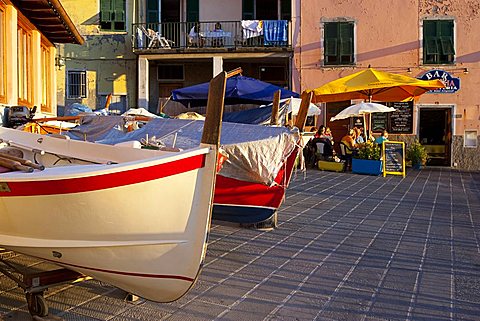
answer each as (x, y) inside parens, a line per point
(435, 133)
(164, 93)
(170, 15)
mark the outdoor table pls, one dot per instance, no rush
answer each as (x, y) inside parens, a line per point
(216, 38)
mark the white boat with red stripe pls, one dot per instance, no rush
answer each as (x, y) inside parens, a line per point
(138, 220)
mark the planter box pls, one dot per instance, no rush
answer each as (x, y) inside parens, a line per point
(367, 166)
(331, 166)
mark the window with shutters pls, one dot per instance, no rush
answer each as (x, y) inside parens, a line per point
(338, 43)
(112, 15)
(76, 84)
(438, 42)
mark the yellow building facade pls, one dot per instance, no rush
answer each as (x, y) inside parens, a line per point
(105, 64)
(27, 53)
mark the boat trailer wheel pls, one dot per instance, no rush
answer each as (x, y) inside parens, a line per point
(37, 305)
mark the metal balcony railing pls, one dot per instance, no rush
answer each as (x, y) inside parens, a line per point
(212, 35)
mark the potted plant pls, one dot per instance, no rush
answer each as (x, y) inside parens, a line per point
(368, 159)
(417, 154)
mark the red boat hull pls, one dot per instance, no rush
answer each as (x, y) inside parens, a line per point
(247, 202)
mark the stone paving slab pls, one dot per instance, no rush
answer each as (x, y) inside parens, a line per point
(348, 247)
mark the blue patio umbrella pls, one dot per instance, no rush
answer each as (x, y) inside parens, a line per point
(240, 90)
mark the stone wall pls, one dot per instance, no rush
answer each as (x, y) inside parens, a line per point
(465, 158)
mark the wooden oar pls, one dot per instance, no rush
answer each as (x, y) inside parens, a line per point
(14, 165)
(22, 161)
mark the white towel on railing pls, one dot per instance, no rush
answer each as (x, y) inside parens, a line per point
(252, 28)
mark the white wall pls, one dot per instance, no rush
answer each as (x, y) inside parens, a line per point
(220, 10)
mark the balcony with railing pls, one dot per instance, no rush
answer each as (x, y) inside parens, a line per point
(246, 35)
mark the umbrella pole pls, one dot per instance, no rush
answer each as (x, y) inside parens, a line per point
(366, 127)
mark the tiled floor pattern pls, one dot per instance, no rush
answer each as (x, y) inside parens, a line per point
(348, 247)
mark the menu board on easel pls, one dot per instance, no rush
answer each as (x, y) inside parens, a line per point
(401, 120)
(393, 158)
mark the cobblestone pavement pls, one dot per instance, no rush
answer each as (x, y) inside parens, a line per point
(348, 247)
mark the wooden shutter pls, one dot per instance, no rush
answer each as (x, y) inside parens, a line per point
(331, 42)
(346, 41)
(106, 11)
(445, 33)
(119, 10)
(446, 44)
(331, 46)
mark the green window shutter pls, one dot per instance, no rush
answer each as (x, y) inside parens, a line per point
(429, 29)
(431, 47)
(346, 46)
(331, 30)
(119, 9)
(438, 41)
(248, 9)
(445, 28)
(331, 46)
(446, 44)
(106, 12)
(193, 10)
(346, 39)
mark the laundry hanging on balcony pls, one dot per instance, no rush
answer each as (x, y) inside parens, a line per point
(275, 32)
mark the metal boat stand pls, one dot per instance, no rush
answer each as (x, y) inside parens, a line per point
(34, 283)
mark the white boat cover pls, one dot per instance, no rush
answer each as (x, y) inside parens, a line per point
(255, 153)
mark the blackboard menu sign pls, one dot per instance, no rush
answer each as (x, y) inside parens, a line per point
(379, 122)
(401, 120)
(393, 158)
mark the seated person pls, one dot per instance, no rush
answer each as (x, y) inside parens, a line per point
(194, 37)
(383, 137)
(328, 134)
(359, 136)
(350, 147)
(320, 132)
(328, 151)
(217, 41)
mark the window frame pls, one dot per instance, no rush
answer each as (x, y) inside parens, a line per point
(110, 16)
(338, 43)
(170, 66)
(438, 49)
(83, 76)
(47, 76)
(25, 64)
(465, 135)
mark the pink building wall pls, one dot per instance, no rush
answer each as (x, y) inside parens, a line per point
(388, 36)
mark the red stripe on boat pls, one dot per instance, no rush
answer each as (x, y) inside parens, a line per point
(104, 181)
(232, 191)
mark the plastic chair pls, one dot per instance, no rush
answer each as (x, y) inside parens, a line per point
(346, 155)
(155, 39)
(320, 150)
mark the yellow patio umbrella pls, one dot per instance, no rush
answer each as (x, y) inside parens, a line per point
(371, 84)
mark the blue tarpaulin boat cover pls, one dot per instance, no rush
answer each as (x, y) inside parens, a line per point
(239, 90)
(259, 116)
